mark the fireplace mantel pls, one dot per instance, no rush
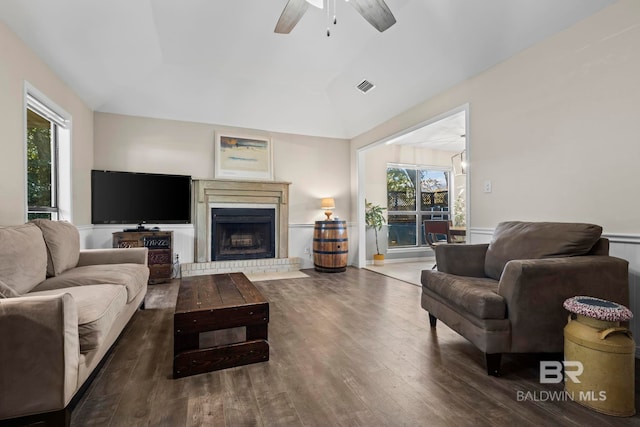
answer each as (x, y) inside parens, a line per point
(207, 192)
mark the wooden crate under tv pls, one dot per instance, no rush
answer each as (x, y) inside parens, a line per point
(160, 245)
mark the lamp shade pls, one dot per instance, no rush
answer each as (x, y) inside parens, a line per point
(327, 203)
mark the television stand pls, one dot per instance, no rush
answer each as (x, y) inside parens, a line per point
(160, 246)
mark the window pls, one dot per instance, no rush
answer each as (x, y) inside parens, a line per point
(415, 194)
(46, 131)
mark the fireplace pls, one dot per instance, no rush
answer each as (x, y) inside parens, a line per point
(211, 194)
(242, 233)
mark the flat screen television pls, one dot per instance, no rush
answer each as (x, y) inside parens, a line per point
(138, 198)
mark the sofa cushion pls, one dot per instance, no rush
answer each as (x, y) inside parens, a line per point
(132, 276)
(98, 308)
(534, 240)
(23, 256)
(63, 245)
(476, 295)
(6, 291)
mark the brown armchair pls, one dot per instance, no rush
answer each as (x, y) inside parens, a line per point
(506, 296)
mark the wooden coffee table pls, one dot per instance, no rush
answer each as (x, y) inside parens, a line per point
(214, 302)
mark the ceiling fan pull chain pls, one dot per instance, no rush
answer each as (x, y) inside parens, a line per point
(328, 18)
(335, 18)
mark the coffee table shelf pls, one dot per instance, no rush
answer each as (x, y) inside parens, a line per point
(216, 302)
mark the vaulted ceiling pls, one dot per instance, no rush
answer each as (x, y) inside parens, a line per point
(220, 62)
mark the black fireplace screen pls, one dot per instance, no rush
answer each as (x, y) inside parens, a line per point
(240, 233)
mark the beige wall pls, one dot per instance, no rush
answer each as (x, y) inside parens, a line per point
(316, 167)
(17, 65)
(554, 128)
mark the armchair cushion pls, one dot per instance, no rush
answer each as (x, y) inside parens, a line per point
(63, 245)
(534, 240)
(478, 296)
(24, 258)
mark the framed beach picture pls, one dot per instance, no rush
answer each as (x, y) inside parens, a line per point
(243, 157)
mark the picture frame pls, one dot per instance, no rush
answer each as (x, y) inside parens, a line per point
(245, 157)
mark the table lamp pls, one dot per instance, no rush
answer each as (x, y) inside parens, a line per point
(327, 204)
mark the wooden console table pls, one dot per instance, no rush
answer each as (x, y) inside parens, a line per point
(214, 302)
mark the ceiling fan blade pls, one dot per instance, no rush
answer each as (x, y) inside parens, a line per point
(317, 3)
(376, 12)
(291, 14)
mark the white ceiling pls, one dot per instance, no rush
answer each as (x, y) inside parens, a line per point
(447, 134)
(219, 61)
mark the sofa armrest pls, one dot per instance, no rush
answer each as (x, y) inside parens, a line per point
(534, 291)
(113, 256)
(39, 354)
(461, 260)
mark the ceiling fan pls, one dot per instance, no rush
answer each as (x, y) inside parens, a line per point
(376, 12)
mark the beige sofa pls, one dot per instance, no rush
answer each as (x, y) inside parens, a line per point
(61, 309)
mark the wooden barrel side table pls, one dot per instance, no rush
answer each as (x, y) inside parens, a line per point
(330, 246)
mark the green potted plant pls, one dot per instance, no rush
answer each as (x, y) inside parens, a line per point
(374, 218)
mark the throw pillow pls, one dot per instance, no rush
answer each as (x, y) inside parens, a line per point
(63, 245)
(534, 240)
(24, 257)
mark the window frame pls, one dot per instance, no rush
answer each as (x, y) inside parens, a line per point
(60, 124)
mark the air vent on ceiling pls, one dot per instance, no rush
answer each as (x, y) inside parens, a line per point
(365, 86)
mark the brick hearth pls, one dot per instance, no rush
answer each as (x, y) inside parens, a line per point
(245, 266)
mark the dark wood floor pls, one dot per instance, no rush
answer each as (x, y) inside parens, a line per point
(347, 349)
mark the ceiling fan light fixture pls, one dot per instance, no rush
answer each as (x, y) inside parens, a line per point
(376, 12)
(365, 86)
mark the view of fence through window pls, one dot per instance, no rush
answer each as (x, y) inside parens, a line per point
(414, 194)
